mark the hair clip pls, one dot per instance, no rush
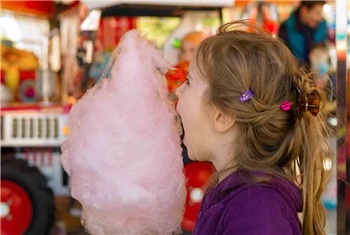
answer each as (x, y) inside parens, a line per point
(308, 102)
(285, 106)
(313, 103)
(246, 96)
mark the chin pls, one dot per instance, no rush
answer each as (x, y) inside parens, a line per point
(190, 156)
(313, 26)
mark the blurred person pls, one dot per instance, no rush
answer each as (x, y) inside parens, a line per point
(304, 29)
(178, 75)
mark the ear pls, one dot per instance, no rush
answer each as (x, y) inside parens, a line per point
(223, 122)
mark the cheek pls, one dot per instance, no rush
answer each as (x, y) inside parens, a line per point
(314, 18)
(185, 109)
(186, 56)
(181, 57)
(317, 17)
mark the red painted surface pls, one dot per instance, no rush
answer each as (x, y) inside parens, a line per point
(45, 8)
(111, 31)
(197, 174)
(53, 108)
(21, 210)
(2, 76)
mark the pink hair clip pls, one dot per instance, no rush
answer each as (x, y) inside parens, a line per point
(285, 106)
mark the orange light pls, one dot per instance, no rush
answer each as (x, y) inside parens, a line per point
(65, 130)
(71, 100)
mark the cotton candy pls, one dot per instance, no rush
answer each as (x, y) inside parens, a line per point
(123, 151)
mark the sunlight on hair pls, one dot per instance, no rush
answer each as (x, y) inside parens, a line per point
(327, 164)
(333, 121)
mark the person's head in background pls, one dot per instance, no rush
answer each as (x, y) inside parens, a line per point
(178, 76)
(311, 13)
(188, 45)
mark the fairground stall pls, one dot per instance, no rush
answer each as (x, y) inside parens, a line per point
(53, 51)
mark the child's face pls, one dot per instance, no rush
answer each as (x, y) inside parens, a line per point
(194, 115)
(186, 51)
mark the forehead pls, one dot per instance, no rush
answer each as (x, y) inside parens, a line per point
(193, 68)
(196, 76)
(188, 44)
(316, 8)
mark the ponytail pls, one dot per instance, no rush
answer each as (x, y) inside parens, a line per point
(315, 149)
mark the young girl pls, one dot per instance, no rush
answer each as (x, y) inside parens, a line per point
(250, 110)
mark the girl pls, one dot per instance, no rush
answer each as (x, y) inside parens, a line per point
(250, 110)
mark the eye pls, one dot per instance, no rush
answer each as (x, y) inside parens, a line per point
(187, 81)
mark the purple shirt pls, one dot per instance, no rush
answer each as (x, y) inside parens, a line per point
(235, 206)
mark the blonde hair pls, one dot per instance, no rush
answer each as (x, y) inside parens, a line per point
(269, 139)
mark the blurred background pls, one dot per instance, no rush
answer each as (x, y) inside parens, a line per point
(53, 51)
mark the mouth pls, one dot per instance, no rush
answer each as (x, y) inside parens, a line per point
(179, 123)
(184, 140)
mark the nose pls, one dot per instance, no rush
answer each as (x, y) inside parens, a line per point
(179, 90)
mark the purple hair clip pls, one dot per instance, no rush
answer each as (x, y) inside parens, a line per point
(285, 106)
(246, 96)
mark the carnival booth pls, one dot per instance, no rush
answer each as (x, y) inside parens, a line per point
(268, 14)
(52, 52)
(33, 121)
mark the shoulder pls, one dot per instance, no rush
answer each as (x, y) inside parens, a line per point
(259, 209)
(290, 21)
(283, 33)
(283, 27)
(323, 26)
(256, 196)
(320, 34)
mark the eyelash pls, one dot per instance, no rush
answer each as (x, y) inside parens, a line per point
(187, 80)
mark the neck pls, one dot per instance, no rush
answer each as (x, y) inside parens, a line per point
(224, 150)
(224, 159)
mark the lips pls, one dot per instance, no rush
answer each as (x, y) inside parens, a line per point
(182, 131)
(184, 141)
(178, 124)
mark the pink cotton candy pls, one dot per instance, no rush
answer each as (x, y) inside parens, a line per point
(123, 150)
